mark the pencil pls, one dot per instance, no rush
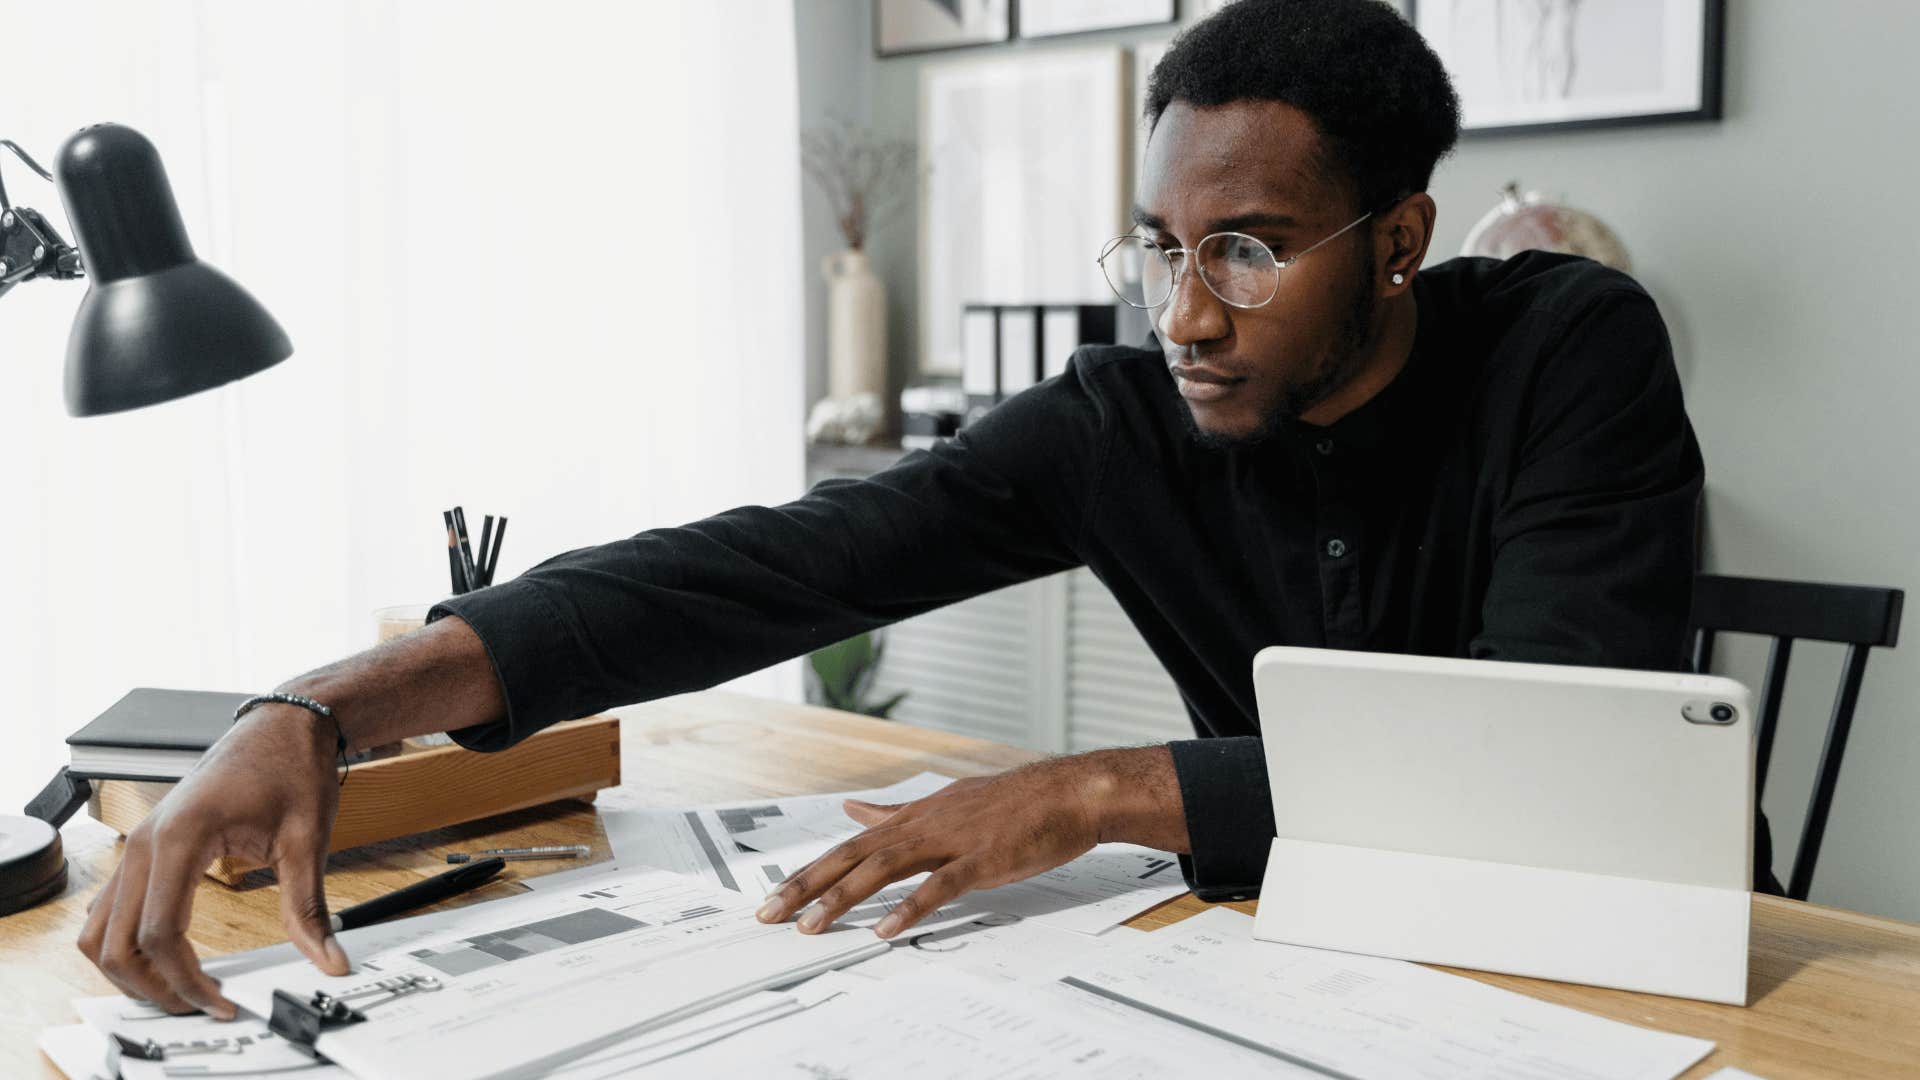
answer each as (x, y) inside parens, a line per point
(453, 556)
(466, 553)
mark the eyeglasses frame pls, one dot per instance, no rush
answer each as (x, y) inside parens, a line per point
(1180, 270)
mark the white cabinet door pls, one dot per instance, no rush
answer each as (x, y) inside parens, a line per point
(968, 667)
(1117, 692)
(1051, 665)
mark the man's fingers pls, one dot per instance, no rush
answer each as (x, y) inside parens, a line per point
(870, 814)
(303, 907)
(940, 889)
(875, 872)
(819, 875)
(120, 954)
(166, 912)
(93, 933)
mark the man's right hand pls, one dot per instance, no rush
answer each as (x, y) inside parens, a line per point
(266, 792)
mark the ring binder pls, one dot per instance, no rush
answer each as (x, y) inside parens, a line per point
(302, 1023)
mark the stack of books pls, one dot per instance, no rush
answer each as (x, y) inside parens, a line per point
(136, 750)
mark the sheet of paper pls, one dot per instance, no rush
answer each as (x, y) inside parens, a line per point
(245, 1048)
(1003, 948)
(199, 1045)
(76, 1050)
(528, 984)
(566, 880)
(705, 841)
(941, 1024)
(1095, 892)
(1365, 1016)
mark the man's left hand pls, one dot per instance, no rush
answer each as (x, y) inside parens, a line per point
(984, 832)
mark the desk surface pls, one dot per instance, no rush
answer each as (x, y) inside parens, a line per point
(1834, 993)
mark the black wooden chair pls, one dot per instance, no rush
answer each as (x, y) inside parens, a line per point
(1787, 611)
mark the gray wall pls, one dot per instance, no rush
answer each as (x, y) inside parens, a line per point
(835, 68)
(1776, 244)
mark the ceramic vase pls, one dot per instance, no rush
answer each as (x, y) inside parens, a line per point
(856, 327)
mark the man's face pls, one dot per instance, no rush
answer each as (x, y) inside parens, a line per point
(1256, 167)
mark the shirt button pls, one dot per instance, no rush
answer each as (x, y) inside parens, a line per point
(1325, 446)
(1336, 547)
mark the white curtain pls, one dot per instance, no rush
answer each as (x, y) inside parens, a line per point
(541, 260)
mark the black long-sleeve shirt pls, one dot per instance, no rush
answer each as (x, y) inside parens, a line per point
(1524, 490)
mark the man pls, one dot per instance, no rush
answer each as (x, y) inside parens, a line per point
(1328, 448)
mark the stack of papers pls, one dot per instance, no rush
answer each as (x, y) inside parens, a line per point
(623, 970)
(753, 846)
(1347, 1014)
(526, 985)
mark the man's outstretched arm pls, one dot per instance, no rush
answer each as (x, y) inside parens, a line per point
(665, 611)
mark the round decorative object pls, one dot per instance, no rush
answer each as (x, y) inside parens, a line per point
(33, 865)
(1530, 223)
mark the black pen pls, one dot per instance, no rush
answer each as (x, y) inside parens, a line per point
(480, 557)
(493, 557)
(417, 895)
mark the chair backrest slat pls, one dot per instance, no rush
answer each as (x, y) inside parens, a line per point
(1771, 694)
(1829, 775)
(1702, 650)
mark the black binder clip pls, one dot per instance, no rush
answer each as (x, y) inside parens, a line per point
(122, 1048)
(302, 1021)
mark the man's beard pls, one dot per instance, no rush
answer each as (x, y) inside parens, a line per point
(1336, 368)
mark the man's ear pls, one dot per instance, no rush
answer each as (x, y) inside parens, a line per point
(1405, 230)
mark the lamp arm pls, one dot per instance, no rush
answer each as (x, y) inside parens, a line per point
(30, 246)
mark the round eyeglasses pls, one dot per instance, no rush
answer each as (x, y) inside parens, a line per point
(1237, 268)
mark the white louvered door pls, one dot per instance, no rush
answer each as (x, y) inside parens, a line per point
(1117, 692)
(1052, 665)
(968, 667)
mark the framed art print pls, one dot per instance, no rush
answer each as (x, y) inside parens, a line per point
(901, 27)
(1531, 65)
(1026, 168)
(1053, 18)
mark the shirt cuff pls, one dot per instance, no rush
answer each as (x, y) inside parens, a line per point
(527, 642)
(1223, 785)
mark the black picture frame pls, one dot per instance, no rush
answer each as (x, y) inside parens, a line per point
(1713, 31)
(873, 8)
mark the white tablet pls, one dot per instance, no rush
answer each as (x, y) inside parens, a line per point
(1499, 777)
(1628, 773)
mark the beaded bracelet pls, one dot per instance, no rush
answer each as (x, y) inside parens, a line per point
(307, 703)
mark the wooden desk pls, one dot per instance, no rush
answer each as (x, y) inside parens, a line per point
(1834, 994)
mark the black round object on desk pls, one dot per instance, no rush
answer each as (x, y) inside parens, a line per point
(33, 865)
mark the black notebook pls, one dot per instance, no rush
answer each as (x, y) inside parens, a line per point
(152, 734)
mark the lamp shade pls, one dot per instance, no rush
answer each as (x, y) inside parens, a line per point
(156, 323)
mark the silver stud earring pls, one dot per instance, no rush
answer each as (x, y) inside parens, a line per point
(1399, 278)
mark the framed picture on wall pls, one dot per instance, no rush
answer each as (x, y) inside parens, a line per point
(1534, 65)
(1052, 18)
(1026, 173)
(901, 27)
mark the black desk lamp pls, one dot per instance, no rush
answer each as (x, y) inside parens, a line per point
(156, 324)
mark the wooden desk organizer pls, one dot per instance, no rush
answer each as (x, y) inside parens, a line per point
(420, 789)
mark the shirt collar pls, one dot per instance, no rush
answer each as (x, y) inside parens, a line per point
(1390, 416)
